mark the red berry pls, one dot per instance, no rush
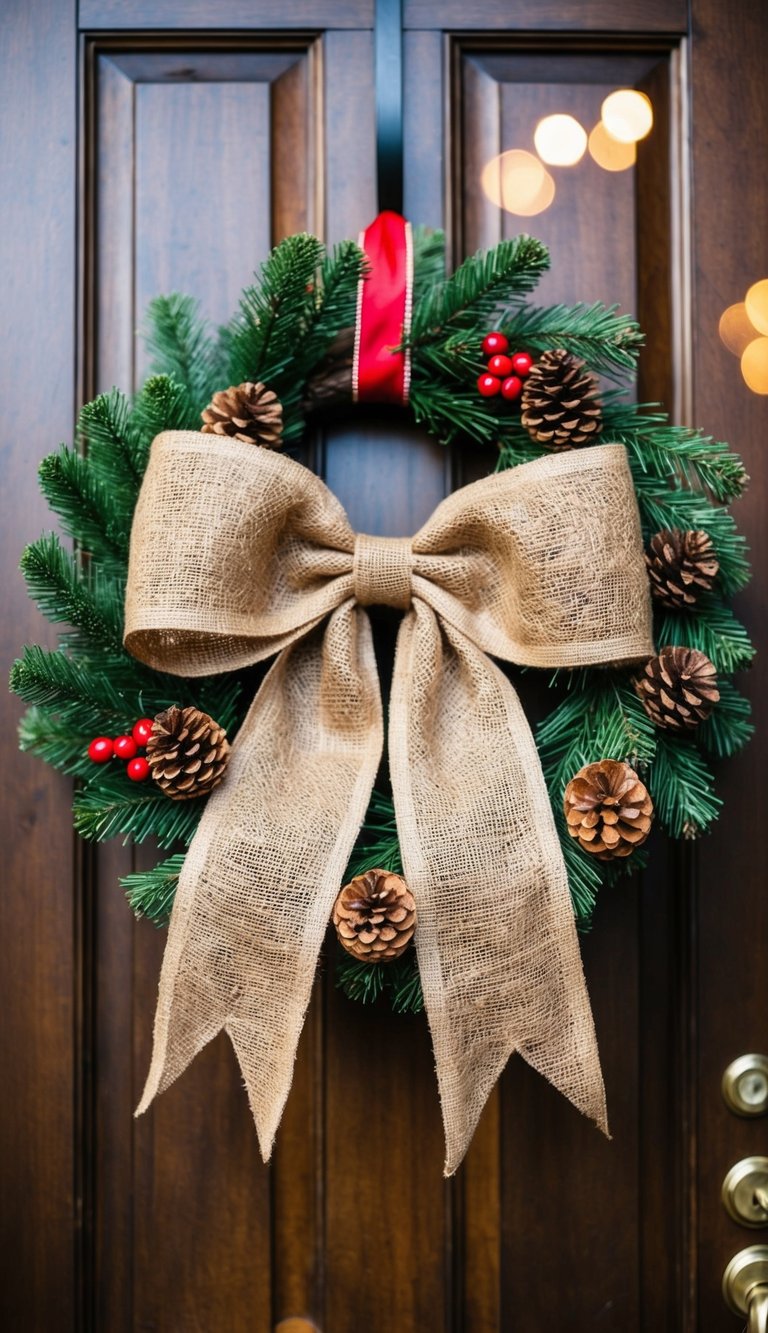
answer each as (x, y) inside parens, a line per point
(493, 343)
(100, 749)
(141, 731)
(137, 769)
(501, 366)
(521, 363)
(125, 747)
(512, 388)
(488, 385)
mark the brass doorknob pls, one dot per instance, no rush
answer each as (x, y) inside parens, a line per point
(745, 1286)
(745, 1085)
(745, 1192)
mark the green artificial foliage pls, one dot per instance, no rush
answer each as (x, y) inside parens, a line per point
(288, 320)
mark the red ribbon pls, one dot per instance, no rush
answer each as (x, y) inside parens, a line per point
(381, 374)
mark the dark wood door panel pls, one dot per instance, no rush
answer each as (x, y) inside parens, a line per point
(202, 160)
(730, 251)
(533, 16)
(40, 900)
(242, 15)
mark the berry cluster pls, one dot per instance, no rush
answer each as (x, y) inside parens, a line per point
(505, 374)
(104, 748)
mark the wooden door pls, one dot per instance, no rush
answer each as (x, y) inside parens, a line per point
(151, 146)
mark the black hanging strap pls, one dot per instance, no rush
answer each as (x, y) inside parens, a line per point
(388, 43)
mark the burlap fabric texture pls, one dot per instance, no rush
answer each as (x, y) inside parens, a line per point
(238, 554)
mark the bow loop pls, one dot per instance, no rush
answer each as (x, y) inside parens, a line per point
(238, 553)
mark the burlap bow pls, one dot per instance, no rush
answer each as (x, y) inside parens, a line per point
(237, 554)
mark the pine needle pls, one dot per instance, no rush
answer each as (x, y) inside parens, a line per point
(181, 348)
(151, 892)
(474, 294)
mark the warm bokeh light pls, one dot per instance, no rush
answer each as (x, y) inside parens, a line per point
(610, 153)
(756, 302)
(754, 365)
(736, 329)
(560, 140)
(518, 182)
(627, 115)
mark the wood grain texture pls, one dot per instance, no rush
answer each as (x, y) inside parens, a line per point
(202, 161)
(578, 16)
(41, 1253)
(730, 199)
(202, 15)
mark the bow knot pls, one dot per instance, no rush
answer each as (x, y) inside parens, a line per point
(239, 553)
(381, 571)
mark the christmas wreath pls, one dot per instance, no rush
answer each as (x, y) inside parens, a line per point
(631, 732)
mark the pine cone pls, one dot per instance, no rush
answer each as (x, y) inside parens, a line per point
(248, 412)
(681, 565)
(608, 809)
(375, 916)
(678, 688)
(187, 753)
(560, 404)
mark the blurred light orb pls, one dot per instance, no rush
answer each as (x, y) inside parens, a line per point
(736, 329)
(560, 140)
(754, 365)
(627, 115)
(756, 302)
(518, 182)
(609, 153)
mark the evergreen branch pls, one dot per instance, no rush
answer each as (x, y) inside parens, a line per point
(93, 605)
(601, 719)
(91, 698)
(151, 892)
(161, 404)
(84, 507)
(670, 453)
(181, 348)
(403, 983)
(377, 846)
(332, 309)
(712, 628)
(104, 432)
(363, 982)
(608, 342)
(473, 294)
(62, 745)
(335, 305)
(447, 412)
(672, 507)
(428, 261)
(517, 448)
(596, 720)
(728, 727)
(111, 804)
(264, 340)
(586, 876)
(683, 788)
(366, 982)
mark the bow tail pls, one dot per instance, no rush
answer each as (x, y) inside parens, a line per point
(497, 945)
(262, 872)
